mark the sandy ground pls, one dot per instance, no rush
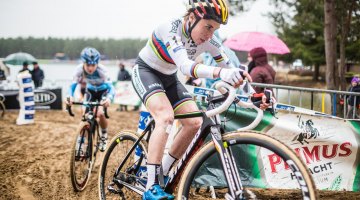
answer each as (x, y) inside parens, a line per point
(34, 159)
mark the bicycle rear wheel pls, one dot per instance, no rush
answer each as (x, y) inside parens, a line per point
(81, 163)
(260, 162)
(123, 182)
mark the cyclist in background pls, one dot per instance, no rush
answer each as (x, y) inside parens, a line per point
(98, 86)
(173, 46)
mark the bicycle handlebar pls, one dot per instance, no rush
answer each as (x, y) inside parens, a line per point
(224, 88)
(85, 103)
(231, 96)
(259, 116)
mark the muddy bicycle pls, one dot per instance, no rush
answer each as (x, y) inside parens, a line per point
(2, 105)
(121, 174)
(85, 146)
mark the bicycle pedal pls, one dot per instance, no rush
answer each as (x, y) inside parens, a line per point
(113, 190)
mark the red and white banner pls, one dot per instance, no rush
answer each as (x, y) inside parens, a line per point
(328, 147)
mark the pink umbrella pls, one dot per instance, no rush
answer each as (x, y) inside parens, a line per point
(245, 41)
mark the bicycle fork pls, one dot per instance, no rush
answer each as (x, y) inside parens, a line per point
(229, 166)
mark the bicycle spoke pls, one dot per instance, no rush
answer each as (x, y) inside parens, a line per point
(125, 184)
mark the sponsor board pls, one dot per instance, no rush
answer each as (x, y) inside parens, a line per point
(125, 94)
(43, 98)
(327, 147)
(143, 121)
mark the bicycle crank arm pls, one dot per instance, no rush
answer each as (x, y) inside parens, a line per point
(138, 190)
(111, 189)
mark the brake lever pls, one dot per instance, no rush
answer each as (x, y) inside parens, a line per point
(68, 108)
(268, 94)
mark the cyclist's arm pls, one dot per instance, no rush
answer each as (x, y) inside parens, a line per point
(215, 48)
(72, 88)
(111, 91)
(76, 80)
(107, 82)
(188, 67)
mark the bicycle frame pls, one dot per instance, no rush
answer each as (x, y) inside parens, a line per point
(213, 127)
(90, 117)
(210, 126)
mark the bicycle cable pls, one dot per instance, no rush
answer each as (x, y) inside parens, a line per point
(225, 116)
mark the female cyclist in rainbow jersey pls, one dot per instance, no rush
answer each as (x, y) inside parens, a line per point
(173, 46)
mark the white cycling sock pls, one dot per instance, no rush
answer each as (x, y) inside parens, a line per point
(104, 132)
(153, 171)
(167, 162)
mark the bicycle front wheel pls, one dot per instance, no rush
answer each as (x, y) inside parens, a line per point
(126, 181)
(268, 169)
(82, 158)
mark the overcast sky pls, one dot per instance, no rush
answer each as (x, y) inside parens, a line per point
(109, 18)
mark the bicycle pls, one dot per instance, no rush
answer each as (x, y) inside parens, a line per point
(88, 134)
(121, 176)
(2, 105)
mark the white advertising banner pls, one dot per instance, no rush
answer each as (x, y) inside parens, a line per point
(327, 146)
(125, 94)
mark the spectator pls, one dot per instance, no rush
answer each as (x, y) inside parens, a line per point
(262, 72)
(4, 74)
(25, 67)
(123, 74)
(37, 75)
(4, 71)
(251, 64)
(354, 87)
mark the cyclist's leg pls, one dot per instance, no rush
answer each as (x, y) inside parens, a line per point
(182, 103)
(163, 116)
(184, 137)
(150, 89)
(103, 122)
(97, 96)
(189, 128)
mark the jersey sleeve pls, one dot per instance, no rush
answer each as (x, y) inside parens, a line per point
(75, 80)
(170, 35)
(215, 48)
(111, 91)
(104, 75)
